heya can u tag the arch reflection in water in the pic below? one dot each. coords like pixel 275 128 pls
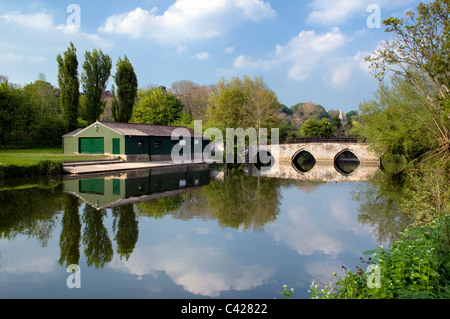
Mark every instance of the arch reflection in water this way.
pixel 346 162
pixel 304 161
pixel 393 164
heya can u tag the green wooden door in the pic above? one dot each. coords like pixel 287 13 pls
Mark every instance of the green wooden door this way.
pixel 92 146
pixel 116 146
pixel 92 186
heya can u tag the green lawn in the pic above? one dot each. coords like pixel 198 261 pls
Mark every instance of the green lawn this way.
pixel 33 156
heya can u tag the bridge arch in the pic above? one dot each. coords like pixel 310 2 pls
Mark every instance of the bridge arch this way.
pixel 346 162
pixel 262 159
pixel 303 161
pixel 324 152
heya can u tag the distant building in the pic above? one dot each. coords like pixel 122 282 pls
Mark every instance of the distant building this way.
pixel 133 142
pixel 342 117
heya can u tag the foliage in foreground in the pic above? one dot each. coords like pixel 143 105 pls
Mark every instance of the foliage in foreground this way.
pixel 416 266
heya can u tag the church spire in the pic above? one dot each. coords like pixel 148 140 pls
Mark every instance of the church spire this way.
pixel 342 117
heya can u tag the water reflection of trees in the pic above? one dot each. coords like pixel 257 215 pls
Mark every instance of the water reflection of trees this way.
pixel 380 206
pixel 244 202
pixel 98 248
pixel 69 240
pixel 240 202
pixel 30 211
pixel 126 226
pixel 97 244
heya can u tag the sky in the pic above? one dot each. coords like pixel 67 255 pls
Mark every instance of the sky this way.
pixel 305 50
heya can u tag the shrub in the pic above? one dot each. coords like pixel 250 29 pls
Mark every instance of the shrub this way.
pixel 41 168
pixel 416 266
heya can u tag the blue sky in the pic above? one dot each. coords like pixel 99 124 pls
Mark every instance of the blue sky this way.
pixel 306 50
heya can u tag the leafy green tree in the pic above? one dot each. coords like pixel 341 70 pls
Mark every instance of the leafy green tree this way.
pixel 46 125
pixel 227 108
pixel 157 106
pixel 419 53
pixel 314 128
pixel 349 116
pixel 10 100
pixel 396 121
pixel 94 78
pixel 244 103
pixel 125 96
pixel 69 87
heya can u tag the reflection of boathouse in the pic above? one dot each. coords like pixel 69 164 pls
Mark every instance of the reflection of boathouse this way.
pixel 105 191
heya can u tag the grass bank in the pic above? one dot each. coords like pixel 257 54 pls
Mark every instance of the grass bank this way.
pixel 31 162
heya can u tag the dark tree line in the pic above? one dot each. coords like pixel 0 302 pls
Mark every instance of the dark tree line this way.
pixel 38 114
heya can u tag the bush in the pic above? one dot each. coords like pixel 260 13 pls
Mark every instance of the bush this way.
pixel 416 266
pixel 41 168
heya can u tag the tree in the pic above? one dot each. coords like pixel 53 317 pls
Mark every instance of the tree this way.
pixel 10 101
pixel 227 108
pixel 309 110
pixel 46 126
pixel 396 121
pixel 419 53
pixel 194 97
pixel 69 87
pixel 349 116
pixel 96 72
pixel 125 96
pixel 244 103
pixel 315 128
pixel 157 106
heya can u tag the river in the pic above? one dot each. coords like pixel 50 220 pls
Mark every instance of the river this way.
pixel 196 233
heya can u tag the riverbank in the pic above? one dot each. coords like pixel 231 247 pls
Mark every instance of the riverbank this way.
pixel 417 265
pixel 32 162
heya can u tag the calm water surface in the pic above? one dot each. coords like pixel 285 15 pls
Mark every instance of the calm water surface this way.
pixel 189 234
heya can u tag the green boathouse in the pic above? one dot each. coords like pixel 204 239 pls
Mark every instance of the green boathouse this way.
pixel 132 142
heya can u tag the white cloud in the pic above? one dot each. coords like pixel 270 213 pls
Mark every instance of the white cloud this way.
pixel 188 20
pixel 336 12
pixel 204 270
pixel 39 28
pixel 248 63
pixel 341 75
pixel 202 56
pixel 33 21
pixel 229 50
pixel 41 40
pixel 331 12
pixel 302 53
pixel 346 69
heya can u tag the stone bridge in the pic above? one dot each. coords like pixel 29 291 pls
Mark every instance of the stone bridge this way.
pixel 324 152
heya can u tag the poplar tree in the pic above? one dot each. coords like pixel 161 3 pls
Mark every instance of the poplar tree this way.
pixel 94 78
pixel 69 86
pixel 125 96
